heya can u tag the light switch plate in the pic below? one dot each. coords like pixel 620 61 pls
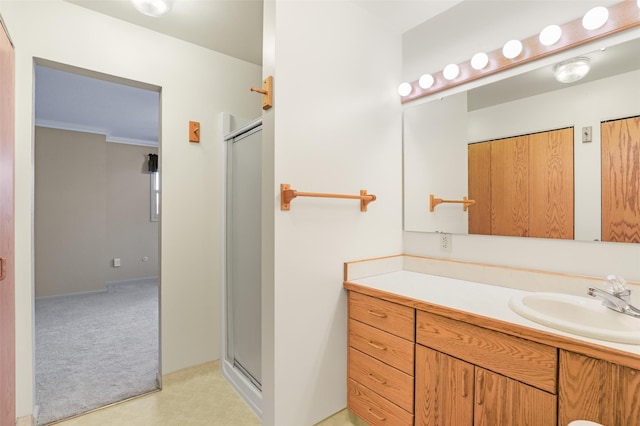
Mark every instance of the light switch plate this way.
pixel 586 134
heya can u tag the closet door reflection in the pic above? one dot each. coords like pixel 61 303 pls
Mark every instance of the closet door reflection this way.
pixel 621 180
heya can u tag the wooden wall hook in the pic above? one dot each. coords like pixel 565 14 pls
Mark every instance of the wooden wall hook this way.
pixel 266 91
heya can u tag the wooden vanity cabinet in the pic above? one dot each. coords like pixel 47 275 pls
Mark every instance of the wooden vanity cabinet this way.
pixel 468 375
pixel 380 360
pixel 597 390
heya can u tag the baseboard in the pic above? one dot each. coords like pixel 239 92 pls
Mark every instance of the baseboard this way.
pixel 141 280
pixel 344 417
pixel 77 293
pixel 26 421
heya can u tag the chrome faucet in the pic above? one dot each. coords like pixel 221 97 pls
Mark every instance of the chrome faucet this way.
pixel 618 299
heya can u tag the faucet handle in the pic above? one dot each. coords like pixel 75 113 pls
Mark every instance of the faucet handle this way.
pixel 617 285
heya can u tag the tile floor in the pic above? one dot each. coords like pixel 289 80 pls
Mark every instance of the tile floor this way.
pixel 197 396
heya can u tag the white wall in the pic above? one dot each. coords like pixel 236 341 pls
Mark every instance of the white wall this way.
pixel 335 127
pixel 435 162
pixel 591 258
pixel 197 84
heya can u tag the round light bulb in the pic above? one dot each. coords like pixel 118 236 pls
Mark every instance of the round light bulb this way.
pixel 404 89
pixel 426 81
pixel 595 18
pixel 512 49
pixel 479 60
pixel 550 35
pixel 451 71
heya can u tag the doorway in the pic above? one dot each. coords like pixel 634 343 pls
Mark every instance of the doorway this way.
pixel 96 240
pixel 243 283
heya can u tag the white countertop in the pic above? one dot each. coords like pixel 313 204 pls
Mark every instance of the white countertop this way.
pixel 468 296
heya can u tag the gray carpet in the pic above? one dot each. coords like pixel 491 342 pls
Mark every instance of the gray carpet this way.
pixel 95 349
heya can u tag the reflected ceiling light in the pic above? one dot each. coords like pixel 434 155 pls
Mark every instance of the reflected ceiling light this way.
pixel 479 60
pixel 550 35
pixel 511 49
pixel 451 71
pixel 153 8
pixel 595 18
pixel 426 80
pixel 571 70
pixel 404 89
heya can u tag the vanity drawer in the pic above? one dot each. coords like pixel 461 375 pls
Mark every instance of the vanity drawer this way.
pixel 388 316
pixel 529 362
pixel 387 381
pixel 373 408
pixel 381 345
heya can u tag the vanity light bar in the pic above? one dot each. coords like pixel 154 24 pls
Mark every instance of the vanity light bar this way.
pixel 621 16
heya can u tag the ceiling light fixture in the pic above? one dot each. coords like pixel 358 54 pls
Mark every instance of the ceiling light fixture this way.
pixel 595 18
pixel 451 71
pixel 479 60
pixel 426 81
pixel 153 8
pixel 404 89
pixel 550 35
pixel 512 49
pixel 571 70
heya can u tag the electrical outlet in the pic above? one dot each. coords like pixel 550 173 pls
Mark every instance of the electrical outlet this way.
pixel 116 262
pixel 445 243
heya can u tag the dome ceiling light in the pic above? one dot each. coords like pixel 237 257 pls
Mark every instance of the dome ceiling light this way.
pixel 155 8
pixel 572 70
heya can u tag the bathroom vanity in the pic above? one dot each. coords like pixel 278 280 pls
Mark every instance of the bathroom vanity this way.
pixel 432 350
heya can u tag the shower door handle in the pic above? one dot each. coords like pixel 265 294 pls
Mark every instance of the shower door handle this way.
pixel 3 268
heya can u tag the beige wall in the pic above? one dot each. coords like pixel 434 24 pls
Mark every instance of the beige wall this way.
pixel 91 205
pixel 70 211
pixel 131 236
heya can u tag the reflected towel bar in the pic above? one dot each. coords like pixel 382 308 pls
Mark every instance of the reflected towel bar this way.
pixel 435 201
pixel 287 194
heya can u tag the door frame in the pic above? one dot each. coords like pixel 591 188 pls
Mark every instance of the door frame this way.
pixel 239 381
pixel 7 235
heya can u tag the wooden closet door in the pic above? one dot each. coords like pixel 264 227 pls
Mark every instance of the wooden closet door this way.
pixel 479 158
pixel 510 187
pixel 551 184
pixel 7 289
pixel 621 180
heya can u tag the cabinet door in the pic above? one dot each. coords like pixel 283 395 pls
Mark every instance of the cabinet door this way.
pixel 597 390
pixel 444 389
pixel 506 402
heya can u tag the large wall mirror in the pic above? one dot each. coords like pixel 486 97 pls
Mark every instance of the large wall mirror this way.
pixel 442 137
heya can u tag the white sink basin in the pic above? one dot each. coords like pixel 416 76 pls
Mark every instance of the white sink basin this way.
pixel 579 315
